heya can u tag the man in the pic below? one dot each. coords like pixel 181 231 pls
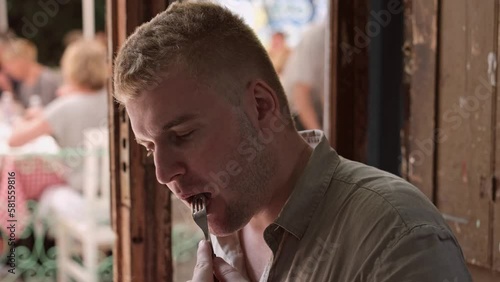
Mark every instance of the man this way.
pixel 204 100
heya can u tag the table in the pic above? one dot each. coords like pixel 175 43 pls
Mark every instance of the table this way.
pixel 34 168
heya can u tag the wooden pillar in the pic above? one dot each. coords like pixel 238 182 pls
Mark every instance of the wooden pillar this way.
pixel 140 205
pixel 451 49
pixel 421 32
pixel 346 104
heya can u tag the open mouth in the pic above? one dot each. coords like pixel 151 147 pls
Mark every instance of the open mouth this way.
pixel 207 195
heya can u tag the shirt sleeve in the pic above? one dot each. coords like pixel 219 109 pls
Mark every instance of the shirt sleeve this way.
pixel 424 253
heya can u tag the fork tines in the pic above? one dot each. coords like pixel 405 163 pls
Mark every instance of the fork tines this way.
pixel 198 203
pixel 199 212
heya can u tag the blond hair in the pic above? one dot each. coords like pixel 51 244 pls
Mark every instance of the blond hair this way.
pixel 20 48
pixel 84 64
pixel 205 40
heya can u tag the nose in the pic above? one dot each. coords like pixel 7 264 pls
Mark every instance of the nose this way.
pixel 169 165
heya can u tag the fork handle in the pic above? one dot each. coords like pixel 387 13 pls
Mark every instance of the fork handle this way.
pixel 213 256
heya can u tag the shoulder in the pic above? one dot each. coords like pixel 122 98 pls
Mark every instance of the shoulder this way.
pixel 373 190
pixel 389 223
pixel 72 102
pixel 64 101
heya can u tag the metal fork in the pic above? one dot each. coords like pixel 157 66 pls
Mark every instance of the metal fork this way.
pixel 199 210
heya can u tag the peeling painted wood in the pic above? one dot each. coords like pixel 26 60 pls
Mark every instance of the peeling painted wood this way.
pixel 140 206
pixel 346 104
pixel 496 144
pixel 420 85
pixel 464 155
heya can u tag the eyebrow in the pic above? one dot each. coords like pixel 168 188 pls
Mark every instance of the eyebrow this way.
pixel 179 120
pixel 176 121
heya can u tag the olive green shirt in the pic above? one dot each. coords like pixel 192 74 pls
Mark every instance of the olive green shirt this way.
pixel 346 221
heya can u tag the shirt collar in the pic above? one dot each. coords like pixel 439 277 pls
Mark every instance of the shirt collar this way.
pixel 311 187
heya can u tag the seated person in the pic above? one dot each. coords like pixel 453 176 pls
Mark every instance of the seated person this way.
pixel 85 72
pixel 19 61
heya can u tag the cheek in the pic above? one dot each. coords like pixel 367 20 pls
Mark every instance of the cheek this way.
pixel 15 71
pixel 7 68
pixel 213 157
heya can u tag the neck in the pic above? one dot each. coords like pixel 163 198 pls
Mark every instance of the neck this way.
pixel 83 89
pixel 292 164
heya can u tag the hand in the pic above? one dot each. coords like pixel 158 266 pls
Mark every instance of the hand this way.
pixel 206 267
pixel 33 112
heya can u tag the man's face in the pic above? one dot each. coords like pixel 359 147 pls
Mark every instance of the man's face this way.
pixel 203 144
pixel 15 67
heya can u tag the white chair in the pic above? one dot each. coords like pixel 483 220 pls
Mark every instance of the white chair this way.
pixel 93 232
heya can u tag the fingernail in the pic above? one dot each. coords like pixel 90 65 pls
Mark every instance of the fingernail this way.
pixel 201 243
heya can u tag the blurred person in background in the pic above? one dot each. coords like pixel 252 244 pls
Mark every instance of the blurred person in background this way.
pixel 6 82
pixel 38 84
pixel 303 78
pixel 72 36
pixel 85 71
pixel 69 38
pixel 278 51
pixel 76 34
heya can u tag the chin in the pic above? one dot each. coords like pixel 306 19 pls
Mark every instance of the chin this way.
pixel 221 228
pixel 219 233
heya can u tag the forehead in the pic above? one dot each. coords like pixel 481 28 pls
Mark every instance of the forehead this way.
pixel 173 97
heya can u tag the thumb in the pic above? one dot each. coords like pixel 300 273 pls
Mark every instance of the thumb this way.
pixel 225 272
pixel 203 269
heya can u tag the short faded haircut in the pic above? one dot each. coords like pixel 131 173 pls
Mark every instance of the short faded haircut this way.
pixel 202 39
pixel 84 64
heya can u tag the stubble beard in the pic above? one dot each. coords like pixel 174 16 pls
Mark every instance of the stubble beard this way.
pixel 249 189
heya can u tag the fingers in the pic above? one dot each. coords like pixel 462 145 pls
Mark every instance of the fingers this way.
pixel 203 271
pixel 225 272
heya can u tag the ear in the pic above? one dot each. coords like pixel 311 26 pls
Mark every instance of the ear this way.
pixel 262 103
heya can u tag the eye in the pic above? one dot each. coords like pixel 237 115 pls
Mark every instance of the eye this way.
pixel 186 136
pixel 181 138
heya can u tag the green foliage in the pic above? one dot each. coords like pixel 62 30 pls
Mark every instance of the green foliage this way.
pixel 45 22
